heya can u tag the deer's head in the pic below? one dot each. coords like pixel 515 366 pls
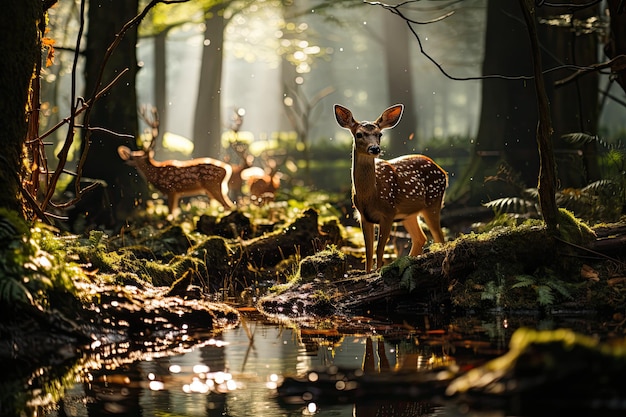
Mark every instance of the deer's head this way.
pixel 366 135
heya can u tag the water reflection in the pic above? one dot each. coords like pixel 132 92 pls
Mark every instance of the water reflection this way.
pixel 236 373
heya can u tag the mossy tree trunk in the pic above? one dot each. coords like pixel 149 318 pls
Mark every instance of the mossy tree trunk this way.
pixel 21 22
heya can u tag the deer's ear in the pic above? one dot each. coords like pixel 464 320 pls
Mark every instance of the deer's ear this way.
pixel 344 117
pixel 390 117
pixel 124 152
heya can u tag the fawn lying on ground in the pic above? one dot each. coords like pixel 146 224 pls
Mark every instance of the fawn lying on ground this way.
pixel 398 189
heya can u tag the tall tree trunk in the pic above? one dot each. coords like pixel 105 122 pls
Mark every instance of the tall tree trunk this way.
pixel 575 105
pixel 508 111
pixel 207 127
pixel 115 114
pixel 616 44
pixel 160 81
pixel 547 168
pixel 21 47
pixel 508 117
pixel 399 81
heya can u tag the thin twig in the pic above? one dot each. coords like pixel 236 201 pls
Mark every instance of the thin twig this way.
pixel 617 261
pixel 619 61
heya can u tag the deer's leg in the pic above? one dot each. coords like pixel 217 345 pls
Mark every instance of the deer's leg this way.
pixel 172 203
pixel 384 230
pixel 418 238
pixel 368 236
pixel 215 192
pixel 432 217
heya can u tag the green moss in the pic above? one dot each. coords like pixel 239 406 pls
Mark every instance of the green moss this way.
pixel 99 259
pixel 159 274
pixel 128 278
pixel 327 264
pixel 179 287
pixel 544 360
pixel 574 230
pixel 34 268
pixel 11 225
pixel 214 251
pixel 175 239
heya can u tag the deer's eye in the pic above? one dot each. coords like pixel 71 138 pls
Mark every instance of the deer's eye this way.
pixel 358 135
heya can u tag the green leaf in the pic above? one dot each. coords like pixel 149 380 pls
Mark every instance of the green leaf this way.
pixel 545 296
pixel 12 291
pixel 524 281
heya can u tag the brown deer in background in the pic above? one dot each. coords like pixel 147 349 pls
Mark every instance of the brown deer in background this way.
pixel 245 161
pixel 264 183
pixel 177 179
pixel 398 189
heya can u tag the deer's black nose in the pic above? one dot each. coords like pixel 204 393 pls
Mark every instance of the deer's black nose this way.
pixel 373 150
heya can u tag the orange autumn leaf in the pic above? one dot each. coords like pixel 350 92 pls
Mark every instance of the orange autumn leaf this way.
pixel 589 273
pixel 48 43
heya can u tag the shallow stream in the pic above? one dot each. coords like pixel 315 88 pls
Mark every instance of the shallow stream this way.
pixel 235 372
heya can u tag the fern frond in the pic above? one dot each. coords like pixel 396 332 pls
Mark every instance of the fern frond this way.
pixel 579 138
pixel 616 156
pixel 490 291
pixel 13 291
pixel 545 296
pixel 560 287
pixel 7 230
pixel 512 204
pixel 532 192
pixel 584 138
pixel 599 185
pixel 524 281
pixel 97 237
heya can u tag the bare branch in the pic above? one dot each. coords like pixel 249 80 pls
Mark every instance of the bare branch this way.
pixel 110 132
pixel 86 106
pixel 396 10
pixel 571 6
pixel 617 62
pixel 410 22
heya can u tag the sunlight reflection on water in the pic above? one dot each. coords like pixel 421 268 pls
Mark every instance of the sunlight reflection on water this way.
pixel 235 374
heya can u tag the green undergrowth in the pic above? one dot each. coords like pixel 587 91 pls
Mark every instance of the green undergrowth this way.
pixel 159 257
pixel 513 266
pixel 34 267
pixel 327 264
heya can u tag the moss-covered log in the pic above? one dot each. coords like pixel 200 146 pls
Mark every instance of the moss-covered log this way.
pixel 508 268
pixel 303 237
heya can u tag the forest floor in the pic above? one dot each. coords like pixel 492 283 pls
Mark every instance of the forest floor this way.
pixel 305 264
pixel 509 268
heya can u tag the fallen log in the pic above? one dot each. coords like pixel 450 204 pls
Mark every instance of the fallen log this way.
pixel 520 268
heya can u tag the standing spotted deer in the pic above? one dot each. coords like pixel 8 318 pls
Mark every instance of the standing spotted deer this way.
pixel 177 179
pixel 398 189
